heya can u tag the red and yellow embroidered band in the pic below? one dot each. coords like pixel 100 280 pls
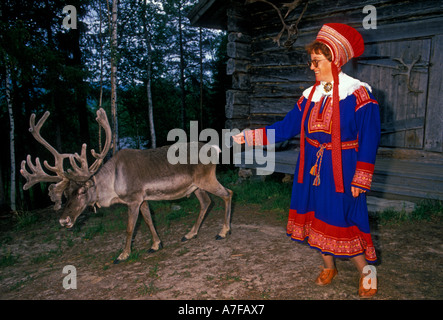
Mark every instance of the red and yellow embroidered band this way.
pixel 302 135
pixel 339 241
pixel 362 98
pixel 345 145
pixel 363 175
pixel 344 42
pixel 256 137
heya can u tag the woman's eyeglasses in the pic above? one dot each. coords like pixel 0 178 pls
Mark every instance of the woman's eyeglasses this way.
pixel 315 62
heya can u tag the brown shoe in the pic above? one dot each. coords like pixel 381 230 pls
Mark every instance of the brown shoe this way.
pixel 366 293
pixel 326 276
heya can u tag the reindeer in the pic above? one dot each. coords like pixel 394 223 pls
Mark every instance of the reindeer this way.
pixel 131 177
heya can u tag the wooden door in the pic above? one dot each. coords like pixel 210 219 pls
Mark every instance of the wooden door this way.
pixel 398 73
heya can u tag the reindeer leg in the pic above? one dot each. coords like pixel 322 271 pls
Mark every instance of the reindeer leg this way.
pixel 133 211
pixel 226 195
pixel 217 189
pixel 146 213
pixel 205 201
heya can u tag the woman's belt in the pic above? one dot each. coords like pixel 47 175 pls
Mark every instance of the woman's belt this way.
pixel 315 170
pixel 328 146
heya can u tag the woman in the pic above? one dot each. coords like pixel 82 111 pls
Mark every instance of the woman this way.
pixel 339 126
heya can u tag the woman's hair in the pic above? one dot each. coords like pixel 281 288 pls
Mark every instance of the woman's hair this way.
pixel 319 48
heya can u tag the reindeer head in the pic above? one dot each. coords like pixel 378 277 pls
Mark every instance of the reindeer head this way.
pixel 74 183
pixel 79 196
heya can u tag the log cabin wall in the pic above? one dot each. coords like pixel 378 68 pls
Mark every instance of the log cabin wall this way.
pixel 402 62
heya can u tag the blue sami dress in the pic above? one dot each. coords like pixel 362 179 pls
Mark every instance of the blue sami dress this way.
pixel 334 223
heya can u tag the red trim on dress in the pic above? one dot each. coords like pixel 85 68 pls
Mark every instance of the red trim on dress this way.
pixel 363 175
pixel 256 137
pixel 338 241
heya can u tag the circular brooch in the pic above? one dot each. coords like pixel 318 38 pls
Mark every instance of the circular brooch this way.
pixel 327 87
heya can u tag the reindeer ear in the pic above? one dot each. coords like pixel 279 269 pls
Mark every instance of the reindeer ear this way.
pixel 84 188
pixel 89 184
pixel 56 191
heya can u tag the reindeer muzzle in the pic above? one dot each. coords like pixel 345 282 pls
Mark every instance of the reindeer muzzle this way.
pixel 66 222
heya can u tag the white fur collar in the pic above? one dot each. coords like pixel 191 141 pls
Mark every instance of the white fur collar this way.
pixel 347 86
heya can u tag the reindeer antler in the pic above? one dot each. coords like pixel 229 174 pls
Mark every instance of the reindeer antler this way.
pixel 78 173
pixel 407 73
pixel 38 174
pixel 292 29
pixel 83 172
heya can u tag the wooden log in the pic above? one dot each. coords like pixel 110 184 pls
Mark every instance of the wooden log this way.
pixel 261 120
pixel 272 106
pixel 236 65
pixel 239 37
pixel 238 50
pixel 237 18
pixel 281 74
pixel 237 104
pixel 241 80
pixel 237 124
pixel 296 57
pixel 279 90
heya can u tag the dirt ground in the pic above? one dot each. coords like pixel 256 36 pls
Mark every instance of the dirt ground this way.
pixel 257 261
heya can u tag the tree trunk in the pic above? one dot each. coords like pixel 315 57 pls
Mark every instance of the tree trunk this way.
pixel 182 68
pixel 148 85
pixel 100 100
pixel 80 88
pixel 201 75
pixel 114 75
pixel 11 135
pixel 150 103
pixel 2 192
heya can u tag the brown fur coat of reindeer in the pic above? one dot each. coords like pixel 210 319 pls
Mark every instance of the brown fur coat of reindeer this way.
pixel 131 177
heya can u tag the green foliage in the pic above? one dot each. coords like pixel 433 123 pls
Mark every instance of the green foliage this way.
pixel 8 259
pixel 270 192
pixel 425 210
pixel 25 219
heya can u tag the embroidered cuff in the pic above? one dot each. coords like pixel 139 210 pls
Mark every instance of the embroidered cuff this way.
pixel 363 175
pixel 256 137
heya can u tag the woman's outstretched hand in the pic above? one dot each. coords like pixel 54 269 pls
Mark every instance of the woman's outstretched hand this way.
pixel 239 138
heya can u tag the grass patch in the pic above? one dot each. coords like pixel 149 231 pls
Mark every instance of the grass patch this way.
pixel 93 230
pixel 165 212
pixel 8 259
pixel 25 219
pixel 147 290
pixel 271 194
pixel 426 210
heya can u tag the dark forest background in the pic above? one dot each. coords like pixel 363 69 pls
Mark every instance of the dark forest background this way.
pixel 46 66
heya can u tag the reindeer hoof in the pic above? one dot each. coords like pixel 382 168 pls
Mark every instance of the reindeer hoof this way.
pixel 184 239
pixel 219 237
pixel 116 261
pixel 160 246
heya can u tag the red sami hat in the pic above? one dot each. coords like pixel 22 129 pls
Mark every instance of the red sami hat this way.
pixel 344 42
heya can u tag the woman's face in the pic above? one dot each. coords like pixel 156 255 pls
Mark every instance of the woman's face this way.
pixel 323 70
